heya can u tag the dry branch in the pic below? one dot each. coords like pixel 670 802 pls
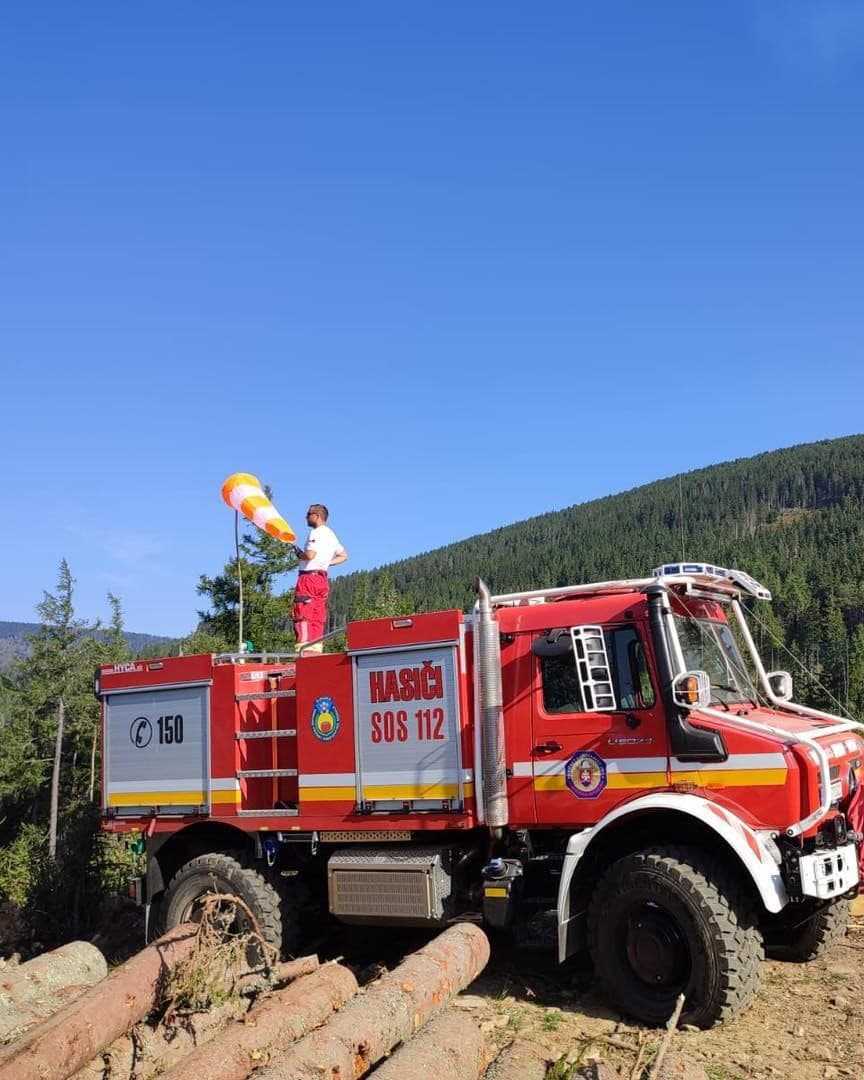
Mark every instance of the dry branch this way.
pixel 59 1046
pixel 388 1011
pixel 147 1051
pixel 281 1018
pixel 667 1038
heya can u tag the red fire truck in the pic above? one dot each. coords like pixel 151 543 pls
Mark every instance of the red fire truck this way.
pixel 613 752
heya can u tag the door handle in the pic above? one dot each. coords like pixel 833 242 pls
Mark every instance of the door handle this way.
pixel 547 747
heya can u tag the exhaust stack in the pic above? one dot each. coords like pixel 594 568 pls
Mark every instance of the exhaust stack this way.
pixel 491 712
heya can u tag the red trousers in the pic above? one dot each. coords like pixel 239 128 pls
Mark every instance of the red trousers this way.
pixel 310 605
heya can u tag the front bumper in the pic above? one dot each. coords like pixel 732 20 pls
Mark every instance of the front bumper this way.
pixel 829 873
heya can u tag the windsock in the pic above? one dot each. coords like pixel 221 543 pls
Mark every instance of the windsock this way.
pixel 243 492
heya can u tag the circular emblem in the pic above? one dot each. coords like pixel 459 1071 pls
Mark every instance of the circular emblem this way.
pixel 141 732
pixel 585 773
pixel 325 719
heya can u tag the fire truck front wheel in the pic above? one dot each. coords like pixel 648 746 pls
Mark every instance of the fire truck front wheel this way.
pixel 671 920
pixel 794 937
pixel 230 873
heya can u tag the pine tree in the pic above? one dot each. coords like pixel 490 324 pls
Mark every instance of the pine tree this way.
pixel 266 614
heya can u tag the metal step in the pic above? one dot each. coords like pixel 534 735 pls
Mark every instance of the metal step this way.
pixel 268 813
pixel 267 695
pixel 279 733
pixel 244 773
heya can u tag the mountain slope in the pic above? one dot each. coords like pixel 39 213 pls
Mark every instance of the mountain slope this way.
pixel 13 641
pixel 792 518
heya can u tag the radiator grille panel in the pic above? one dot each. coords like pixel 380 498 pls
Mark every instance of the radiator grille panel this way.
pixel 390 885
pixel 382 894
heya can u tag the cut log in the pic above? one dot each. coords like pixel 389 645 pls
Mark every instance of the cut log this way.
pixel 59 1046
pixel 522 1060
pixel 77 964
pixel 451 1046
pixel 388 1011
pixel 280 1019
pixel 16 1020
pixel 147 1051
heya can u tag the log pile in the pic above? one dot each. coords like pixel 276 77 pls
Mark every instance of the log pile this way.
pixel 300 1019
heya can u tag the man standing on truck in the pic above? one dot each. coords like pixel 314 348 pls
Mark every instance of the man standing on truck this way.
pixel 323 550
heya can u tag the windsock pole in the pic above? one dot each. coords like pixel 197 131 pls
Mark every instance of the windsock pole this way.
pixel 239 579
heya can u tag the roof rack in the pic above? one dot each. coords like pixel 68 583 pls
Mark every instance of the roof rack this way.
pixel 703 579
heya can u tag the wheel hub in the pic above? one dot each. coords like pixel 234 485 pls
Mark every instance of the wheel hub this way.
pixel 656 947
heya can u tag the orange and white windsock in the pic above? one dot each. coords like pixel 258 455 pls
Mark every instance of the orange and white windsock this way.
pixel 243 492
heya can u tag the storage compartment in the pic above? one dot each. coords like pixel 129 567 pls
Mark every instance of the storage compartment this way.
pixel 412 886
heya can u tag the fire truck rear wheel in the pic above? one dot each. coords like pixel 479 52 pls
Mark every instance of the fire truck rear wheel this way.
pixel 230 872
pixel 808 940
pixel 671 920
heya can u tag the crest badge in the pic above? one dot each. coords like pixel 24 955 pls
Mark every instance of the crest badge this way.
pixel 585 773
pixel 325 719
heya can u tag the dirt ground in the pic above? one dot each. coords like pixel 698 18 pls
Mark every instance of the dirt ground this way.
pixel 806 1023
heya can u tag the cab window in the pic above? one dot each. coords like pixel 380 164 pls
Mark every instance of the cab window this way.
pixel 562 692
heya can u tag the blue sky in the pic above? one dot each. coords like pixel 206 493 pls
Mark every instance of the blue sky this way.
pixel 441 266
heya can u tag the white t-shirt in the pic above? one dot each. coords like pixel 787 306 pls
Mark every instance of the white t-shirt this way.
pixel 325 544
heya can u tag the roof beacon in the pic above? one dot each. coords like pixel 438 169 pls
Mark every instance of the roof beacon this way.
pixel 706 573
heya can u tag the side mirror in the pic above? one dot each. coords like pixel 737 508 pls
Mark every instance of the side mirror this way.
pixel 692 690
pixel 781 684
pixel 556 643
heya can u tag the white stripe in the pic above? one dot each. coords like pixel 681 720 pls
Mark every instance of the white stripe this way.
pixel 412 776
pixel 264 514
pixel 242 492
pixel 133 786
pixel 334 779
pixel 735 761
pixel 620 765
pixel 230 783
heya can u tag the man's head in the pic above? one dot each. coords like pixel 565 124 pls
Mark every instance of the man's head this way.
pixel 316 514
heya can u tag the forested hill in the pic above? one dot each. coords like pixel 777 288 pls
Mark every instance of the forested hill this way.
pixel 791 518
pixel 14 637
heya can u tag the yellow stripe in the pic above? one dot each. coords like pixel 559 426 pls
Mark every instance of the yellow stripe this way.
pixel 557 782
pixel 732 777
pixel 156 798
pixel 385 791
pixel 494 891
pixel 225 797
pixel 328 794
pixel 709 779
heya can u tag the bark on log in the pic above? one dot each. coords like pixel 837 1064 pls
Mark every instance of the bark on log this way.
pixel 388 1011
pixel 451 1046
pixel 522 1060
pixel 280 1019
pixel 59 1046
pixel 150 1051
pixel 75 964
pixel 32 991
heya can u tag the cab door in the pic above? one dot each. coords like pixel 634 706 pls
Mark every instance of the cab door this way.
pixel 599 733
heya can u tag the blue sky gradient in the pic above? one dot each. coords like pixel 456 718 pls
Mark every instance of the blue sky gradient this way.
pixel 440 266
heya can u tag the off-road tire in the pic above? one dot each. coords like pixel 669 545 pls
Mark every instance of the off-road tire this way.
pixel 698 921
pixel 805 942
pixel 230 872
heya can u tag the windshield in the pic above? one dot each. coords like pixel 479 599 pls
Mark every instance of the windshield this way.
pixel 709 646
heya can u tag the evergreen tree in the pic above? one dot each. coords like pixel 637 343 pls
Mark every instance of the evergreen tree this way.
pixel 266 614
